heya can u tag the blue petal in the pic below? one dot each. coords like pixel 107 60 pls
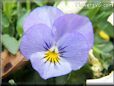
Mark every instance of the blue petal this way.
pixel 49 70
pixel 42 15
pixel 37 38
pixel 74 48
pixel 70 23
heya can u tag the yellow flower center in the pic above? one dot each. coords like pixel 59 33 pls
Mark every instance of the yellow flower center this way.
pixel 52 56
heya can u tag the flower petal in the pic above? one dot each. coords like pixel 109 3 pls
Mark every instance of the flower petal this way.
pixel 71 6
pixel 71 23
pixel 44 15
pixel 37 38
pixel 74 48
pixel 110 19
pixel 49 70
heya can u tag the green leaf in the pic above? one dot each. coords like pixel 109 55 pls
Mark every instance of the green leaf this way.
pixel 90 9
pixel 105 47
pixel 61 80
pixel 104 53
pixel 28 2
pixel 92 12
pixel 106 27
pixel 19 27
pixel 57 3
pixel 10 43
pixel 98 39
pixel 28 76
pixel 40 2
pixel 34 78
pixel 103 15
pixel 5 21
pixel 79 77
pixel 5 25
pixel 96 11
pixel 106 61
pixel 8 7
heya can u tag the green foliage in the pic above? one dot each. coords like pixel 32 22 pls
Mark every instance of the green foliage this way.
pixel 106 27
pixel 31 77
pixel 79 77
pixel 104 53
pixel 8 7
pixel 19 27
pixel 102 49
pixel 76 77
pixel 5 22
pixel 10 43
pixel 28 76
pixel 62 79
pixel 13 15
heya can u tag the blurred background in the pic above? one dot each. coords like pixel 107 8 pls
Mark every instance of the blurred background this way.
pixel 17 70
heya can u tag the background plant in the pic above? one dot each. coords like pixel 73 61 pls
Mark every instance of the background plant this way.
pixel 15 11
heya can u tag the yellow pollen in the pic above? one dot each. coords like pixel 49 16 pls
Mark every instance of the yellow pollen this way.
pixel 52 56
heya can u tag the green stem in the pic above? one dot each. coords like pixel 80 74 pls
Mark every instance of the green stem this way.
pixel 18 9
pixel 28 5
pixel 68 78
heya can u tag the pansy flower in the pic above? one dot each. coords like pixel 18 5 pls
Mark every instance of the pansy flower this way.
pixel 54 42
